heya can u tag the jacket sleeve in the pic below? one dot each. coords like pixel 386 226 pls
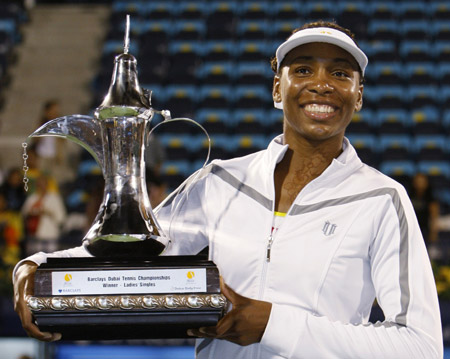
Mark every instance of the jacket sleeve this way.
pixel 183 217
pixel 405 290
pixel 41 257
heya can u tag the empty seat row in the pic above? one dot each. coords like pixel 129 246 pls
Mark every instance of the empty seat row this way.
pixel 263 9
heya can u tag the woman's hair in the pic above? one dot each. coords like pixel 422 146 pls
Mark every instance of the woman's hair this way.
pixel 320 23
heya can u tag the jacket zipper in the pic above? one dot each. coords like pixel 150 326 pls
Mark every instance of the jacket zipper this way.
pixel 269 247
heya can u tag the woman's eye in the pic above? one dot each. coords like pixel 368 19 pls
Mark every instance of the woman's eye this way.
pixel 302 70
pixel 340 74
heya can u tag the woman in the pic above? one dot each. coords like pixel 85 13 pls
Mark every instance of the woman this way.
pixel 304 234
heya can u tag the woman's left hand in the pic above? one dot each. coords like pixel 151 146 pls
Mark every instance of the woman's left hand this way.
pixel 244 324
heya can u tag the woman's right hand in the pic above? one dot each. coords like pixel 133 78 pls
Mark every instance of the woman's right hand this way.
pixel 24 288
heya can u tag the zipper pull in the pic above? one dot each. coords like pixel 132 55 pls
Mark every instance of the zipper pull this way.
pixel 269 248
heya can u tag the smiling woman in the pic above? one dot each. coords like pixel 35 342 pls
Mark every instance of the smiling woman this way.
pixel 304 234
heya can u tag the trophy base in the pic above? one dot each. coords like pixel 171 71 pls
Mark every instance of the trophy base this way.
pixel 129 325
pixel 98 299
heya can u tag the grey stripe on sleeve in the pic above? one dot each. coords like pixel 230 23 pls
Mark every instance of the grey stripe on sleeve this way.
pixel 205 342
pixel 242 187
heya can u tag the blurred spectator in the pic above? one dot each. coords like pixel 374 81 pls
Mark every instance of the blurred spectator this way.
pixel 49 148
pixel 425 206
pixel 157 189
pixel 155 154
pixel 13 189
pixel 44 213
pixel 11 233
pixel 34 172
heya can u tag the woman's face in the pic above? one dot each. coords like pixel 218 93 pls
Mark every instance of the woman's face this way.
pixel 319 85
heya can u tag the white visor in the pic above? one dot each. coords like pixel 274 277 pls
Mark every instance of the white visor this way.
pixel 321 34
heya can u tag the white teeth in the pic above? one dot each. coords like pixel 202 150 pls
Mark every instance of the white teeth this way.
pixel 319 108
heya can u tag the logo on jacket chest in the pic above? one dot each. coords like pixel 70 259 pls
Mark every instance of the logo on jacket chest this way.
pixel 328 228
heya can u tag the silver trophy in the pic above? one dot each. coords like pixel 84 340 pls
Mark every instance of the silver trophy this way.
pixel 125 289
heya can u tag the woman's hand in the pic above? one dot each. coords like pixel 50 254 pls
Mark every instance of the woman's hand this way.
pixel 244 324
pixel 23 288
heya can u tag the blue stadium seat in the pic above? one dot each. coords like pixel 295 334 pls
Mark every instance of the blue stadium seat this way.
pixel 177 146
pixel 189 30
pixel 353 15
pixel 422 96
pixel 387 73
pixel 382 10
pixel 416 51
pixel 325 10
pixel 218 50
pixel 155 34
pixel 413 10
pixel 383 30
pixel 254 73
pixel 414 30
pixel 426 121
pixel 421 73
pixel 393 121
pixel 391 96
pixel 430 147
pixel 158 10
pixel 444 97
pixel 402 171
pixel 384 50
pixel 181 100
pixel 211 96
pixel 440 10
pixel 282 29
pixel 254 10
pixel 250 96
pixel 253 29
pixel 446 120
pixel 252 50
pixel 249 121
pixel 221 147
pixel 438 173
pixel 220 20
pixel 441 50
pixel 213 73
pixel 440 30
pixel 215 121
pixel 275 121
pixel 362 122
pixel 396 147
pixel 175 172
pixel 184 57
pixel 246 144
pixel 288 10
pixel 190 10
pixel 366 147
pixel 443 72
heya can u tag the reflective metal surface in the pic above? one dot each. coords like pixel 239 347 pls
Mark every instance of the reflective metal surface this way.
pixel 125 225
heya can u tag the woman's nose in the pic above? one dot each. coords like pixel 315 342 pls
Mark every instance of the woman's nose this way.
pixel 320 84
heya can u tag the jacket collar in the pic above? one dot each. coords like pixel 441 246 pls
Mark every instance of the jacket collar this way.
pixel 346 163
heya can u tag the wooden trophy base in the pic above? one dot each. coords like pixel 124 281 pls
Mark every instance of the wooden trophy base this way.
pixel 99 299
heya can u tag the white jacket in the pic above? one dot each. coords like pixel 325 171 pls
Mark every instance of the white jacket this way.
pixel 351 236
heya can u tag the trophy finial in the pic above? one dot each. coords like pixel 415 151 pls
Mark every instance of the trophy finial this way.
pixel 124 89
pixel 126 41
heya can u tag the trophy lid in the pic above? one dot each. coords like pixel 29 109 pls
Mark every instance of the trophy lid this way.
pixel 124 90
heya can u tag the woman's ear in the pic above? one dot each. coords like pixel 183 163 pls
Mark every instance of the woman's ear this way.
pixel 359 101
pixel 276 93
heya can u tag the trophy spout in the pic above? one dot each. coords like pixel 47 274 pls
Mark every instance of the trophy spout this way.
pixel 81 129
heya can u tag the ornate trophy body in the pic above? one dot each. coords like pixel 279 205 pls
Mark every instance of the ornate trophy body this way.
pixel 126 290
